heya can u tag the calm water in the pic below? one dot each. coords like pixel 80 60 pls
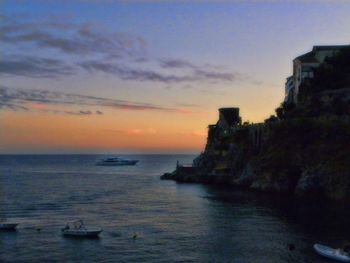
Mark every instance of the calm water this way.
pixel 173 222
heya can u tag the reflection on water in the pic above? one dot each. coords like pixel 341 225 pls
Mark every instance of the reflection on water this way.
pixel 173 222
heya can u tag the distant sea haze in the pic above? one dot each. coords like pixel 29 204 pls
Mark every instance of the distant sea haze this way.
pixel 172 222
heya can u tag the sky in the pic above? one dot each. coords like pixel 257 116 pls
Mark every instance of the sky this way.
pixel 147 76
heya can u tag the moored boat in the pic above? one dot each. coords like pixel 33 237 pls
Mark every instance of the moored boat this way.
pixel 78 229
pixel 336 254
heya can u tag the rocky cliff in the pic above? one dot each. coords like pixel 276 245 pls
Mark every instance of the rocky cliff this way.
pixel 304 150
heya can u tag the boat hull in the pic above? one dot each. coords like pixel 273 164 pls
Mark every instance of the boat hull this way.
pixel 8 226
pixel 119 163
pixel 331 253
pixel 82 233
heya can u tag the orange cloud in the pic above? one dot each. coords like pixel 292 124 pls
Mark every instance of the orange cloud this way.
pixel 36 106
pixel 141 131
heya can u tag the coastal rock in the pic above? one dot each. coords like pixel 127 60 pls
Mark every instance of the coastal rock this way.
pixel 168 176
pixel 310 183
pixel 246 177
pixel 303 151
pixel 326 180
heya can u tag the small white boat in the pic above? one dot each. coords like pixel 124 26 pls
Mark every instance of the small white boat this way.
pixel 114 161
pixel 336 254
pixel 8 226
pixel 78 229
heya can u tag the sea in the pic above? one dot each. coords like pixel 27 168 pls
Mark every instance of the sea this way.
pixel 145 219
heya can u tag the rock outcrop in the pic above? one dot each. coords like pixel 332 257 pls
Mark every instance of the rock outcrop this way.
pixel 304 151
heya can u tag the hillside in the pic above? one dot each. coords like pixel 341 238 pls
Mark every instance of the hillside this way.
pixel 304 150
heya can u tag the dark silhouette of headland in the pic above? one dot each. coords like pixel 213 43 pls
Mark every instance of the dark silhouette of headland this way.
pixel 303 150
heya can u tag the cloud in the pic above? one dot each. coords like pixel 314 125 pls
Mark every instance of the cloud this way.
pixel 65 48
pixel 187 105
pixel 70 38
pixel 127 73
pixel 85 112
pixel 20 99
pixel 135 131
pixel 176 63
pixel 149 131
pixel 205 72
pixel 211 75
pixel 79 113
pixel 172 63
pixel 35 67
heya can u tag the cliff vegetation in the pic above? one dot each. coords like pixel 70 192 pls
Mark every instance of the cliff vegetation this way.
pixel 304 150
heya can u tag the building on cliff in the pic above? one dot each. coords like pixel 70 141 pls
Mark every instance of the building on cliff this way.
pixel 218 145
pixel 228 118
pixel 289 87
pixel 303 67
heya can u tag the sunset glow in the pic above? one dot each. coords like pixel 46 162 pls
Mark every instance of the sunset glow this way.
pixel 82 77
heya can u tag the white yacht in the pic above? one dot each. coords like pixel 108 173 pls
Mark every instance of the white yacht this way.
pixel 114 161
